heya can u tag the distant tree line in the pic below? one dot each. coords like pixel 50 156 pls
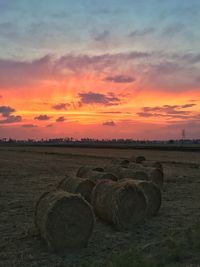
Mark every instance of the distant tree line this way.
pixel 92 141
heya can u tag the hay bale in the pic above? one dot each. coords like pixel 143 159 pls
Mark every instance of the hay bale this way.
pixel 132 158
pixel 147 163
pixel 134 165
pixel 120 162
pixel 73 184
pixel 123 173
pixel 65 220
pixel 153 194
pixel 154 164
pixel 133 174
pixel 82 170
pixel 137 159
pixel 119 203
pixel 140 159
pixel 113 169
pixel 154 174
pixel 86 168
pixel 98 169
pixel 96 176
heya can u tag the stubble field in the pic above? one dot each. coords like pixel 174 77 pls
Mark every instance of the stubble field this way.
pixel 26 172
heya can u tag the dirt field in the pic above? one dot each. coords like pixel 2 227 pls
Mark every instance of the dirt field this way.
pixel 27 172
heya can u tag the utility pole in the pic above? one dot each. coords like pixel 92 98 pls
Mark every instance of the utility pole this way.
pixel 183 134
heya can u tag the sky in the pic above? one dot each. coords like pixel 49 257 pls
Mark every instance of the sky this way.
pixel 99 69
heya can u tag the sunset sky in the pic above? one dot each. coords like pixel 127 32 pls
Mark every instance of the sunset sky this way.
pixel 101 69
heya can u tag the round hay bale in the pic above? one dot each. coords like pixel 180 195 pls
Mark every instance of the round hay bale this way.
pixel 154 164
pixel 154 174
pixel 132 158
pixel 98 169
pixel 114 169
pixel 153 194
pixel 133 174
pixel 120 162
pixel 122 173
pixel 134 165
pixel 65 220
pixel 82 170
pixel 86 168
pixel 119 203
pixel 96 176
pixel 73 184
pixel 140 159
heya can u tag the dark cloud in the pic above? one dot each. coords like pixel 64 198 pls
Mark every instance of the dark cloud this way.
pixel 194 100
pixel 173 29
pixel 29 126
pixel 11 119
pixel 42 118
pixel 120 79
pixel 191 58
pixel 5 111
pixel 170 111
pixel 141 33
pixel 188 105
pixel 48 67
pixel 60 119
pixel 163 71
pixel 49 125
pixel 165 68
pixel 175 74
pixel 97 63
pixel 110 112
pixel 134 55
pixel 98 98
pixel 22 73
pixel 61 106
pixel 146 114
pixel 109 123
pixel 103 36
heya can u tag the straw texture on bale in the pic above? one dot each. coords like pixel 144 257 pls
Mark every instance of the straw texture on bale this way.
pixel 73 184
pixel 65 220
pixel 86 168
pixel 148 163
pixel 140 159
pixel 152 193
pixel 157 176
pixel 154 174
pixel 154 164
pixel 134 174
pixel 98 169
pixel 96 176
pixel 83 170
pixel 119 161
pixel 122 172
pixel 119 203
pixel 114 169
pixel 132 158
